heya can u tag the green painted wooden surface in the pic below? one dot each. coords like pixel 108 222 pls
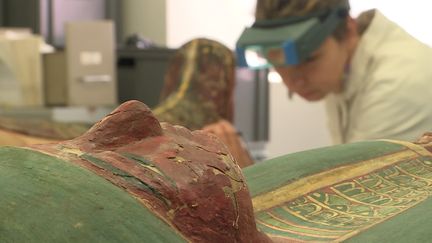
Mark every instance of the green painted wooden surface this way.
pixel 373 204
pixel 391 204
pixel 410 226
pixel 272 174
pixel 44 199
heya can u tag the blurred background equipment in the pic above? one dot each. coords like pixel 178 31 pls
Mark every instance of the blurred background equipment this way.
pixel 141 73
pixel 48 17
pixel 145 40
pixel 84 72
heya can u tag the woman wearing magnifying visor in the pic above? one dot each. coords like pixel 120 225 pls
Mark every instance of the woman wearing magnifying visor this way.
pixel 375 78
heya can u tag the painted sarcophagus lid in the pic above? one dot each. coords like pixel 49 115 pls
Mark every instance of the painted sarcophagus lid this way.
pixel 372 191
pixel 128 179
pixel 131 178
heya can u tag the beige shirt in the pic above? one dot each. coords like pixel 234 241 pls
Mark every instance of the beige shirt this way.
pixel 388 91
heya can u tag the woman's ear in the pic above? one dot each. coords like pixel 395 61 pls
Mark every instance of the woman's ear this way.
pixel 352 28
pixel 352 36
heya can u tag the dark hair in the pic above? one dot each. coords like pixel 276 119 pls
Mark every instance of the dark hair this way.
pixel 340 32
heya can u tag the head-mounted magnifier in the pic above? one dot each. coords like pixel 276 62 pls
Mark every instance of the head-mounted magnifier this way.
pixel 288 41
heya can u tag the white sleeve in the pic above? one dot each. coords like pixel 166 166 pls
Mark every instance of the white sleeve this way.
pixel 391 108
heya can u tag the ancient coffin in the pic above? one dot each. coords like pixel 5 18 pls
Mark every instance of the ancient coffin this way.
pixel 131 178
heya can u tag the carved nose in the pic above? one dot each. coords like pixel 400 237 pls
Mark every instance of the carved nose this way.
pixel 131 121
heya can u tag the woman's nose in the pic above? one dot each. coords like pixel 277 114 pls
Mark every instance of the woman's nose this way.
pixel 296 82
pixel 292 77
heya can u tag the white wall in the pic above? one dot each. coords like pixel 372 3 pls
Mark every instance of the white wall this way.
pixel 295 125
pixel 173 22
pixel 221 20
pixel 414 15
pixel 145 17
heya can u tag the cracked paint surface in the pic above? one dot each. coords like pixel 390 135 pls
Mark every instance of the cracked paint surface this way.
pixel 186 178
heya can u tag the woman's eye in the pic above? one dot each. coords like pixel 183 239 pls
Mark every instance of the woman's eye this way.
pixel 311 58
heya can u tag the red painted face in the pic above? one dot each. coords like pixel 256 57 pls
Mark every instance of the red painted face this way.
pixel 187 178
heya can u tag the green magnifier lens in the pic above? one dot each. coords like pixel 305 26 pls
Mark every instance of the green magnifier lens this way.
pixel 276 56
pixel 280 42
pixel 255 57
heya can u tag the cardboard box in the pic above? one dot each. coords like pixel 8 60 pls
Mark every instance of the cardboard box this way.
pixel 21 71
